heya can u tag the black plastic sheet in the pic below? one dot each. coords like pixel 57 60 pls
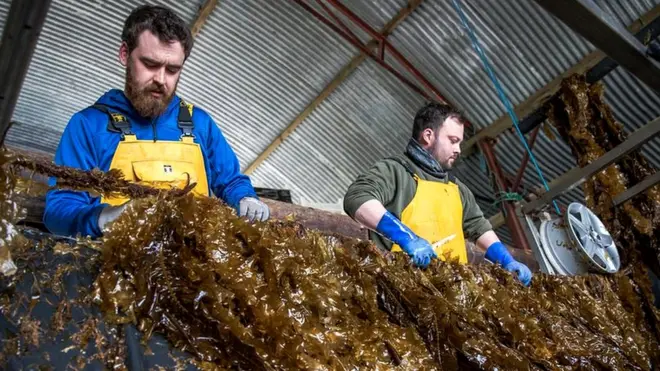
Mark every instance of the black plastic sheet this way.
pixel 48 320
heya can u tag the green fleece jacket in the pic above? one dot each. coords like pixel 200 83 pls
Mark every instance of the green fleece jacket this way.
pixel 390 183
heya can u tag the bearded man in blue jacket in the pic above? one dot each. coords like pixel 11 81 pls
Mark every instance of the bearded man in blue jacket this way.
pixel 148 133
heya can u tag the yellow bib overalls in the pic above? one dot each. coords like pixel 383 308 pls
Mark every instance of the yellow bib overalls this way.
pixel 436 214
pixel 158 164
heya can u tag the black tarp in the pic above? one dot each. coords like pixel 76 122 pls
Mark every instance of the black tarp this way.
pixel 49 322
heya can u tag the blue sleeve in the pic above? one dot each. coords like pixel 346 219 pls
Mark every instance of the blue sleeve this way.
pixel 67 212
pixel 226 179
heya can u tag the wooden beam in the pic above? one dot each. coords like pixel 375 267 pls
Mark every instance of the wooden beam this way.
pixel 203 13
pixel 20 34
pixel 339 225
pixel 638 188
pixel 535 101
pixel 324 222
pixel 336 81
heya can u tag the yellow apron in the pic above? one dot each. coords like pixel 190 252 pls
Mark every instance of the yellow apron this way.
pixel 436 215
pixel 158 164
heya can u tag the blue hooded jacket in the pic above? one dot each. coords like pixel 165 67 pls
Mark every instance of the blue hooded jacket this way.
pixel 87 144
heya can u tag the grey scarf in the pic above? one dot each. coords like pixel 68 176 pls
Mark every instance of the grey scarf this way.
pixel 424 160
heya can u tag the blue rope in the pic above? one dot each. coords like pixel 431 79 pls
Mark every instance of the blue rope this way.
pixel 500 92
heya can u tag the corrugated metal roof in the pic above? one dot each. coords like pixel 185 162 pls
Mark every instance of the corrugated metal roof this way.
pixel 632 102
pixel 74 63
pixel 258 63
pixel 527 48
pixel 375 13
pixel 525 54
pixel 4 10
pixel 353 128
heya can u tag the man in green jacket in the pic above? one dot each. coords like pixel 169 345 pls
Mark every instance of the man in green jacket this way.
pixel 410 202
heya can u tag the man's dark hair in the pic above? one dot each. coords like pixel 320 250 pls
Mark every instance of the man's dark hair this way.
pixel 431 116
pixel 161 21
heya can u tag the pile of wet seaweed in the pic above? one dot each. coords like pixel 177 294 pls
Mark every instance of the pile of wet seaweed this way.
pixel 585 121
pixel 273 295
pixel 10 213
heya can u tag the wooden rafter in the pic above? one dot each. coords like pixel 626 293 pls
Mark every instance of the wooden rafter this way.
pixel 336 82
pixel 203 13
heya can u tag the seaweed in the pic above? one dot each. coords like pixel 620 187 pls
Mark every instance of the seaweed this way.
pixel 95 181
pixel 273 295
pixel 586 122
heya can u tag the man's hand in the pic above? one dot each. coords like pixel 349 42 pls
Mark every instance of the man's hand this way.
pixel 109 214
pixel 523 272
pixel 497 253
pixel 253 209
pixel 418 248
pixel 420 251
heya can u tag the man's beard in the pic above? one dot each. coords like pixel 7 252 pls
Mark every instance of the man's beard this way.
pixel 144 103
pixel 448 164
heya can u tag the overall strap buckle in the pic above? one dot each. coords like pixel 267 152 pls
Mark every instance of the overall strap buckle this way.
pixel 117 122
pixel 184 120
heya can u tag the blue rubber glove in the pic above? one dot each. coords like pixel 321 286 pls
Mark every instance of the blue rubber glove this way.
pixel 417 248
pixel 497 253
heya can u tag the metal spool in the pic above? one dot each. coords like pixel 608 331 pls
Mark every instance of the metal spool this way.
pixel 559 251
pixel 578 243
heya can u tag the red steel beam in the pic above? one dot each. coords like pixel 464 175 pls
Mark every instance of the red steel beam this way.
pixel 523 165
pixel 364 49
pixel 397 55
pixel 339 22
pixel 512 220
pixel 375 34
pixel 381 50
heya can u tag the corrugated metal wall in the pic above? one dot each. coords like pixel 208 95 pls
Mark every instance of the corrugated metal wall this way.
pixel 355 126
pixel 4 9
pixel 258 63
pixel 553 48
pixel 74 63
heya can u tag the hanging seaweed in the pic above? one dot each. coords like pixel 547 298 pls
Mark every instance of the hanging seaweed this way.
pixel 587 124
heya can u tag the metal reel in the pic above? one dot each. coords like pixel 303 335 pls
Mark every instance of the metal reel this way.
pixel 558 250
pixel 578 243
pixel 592 238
